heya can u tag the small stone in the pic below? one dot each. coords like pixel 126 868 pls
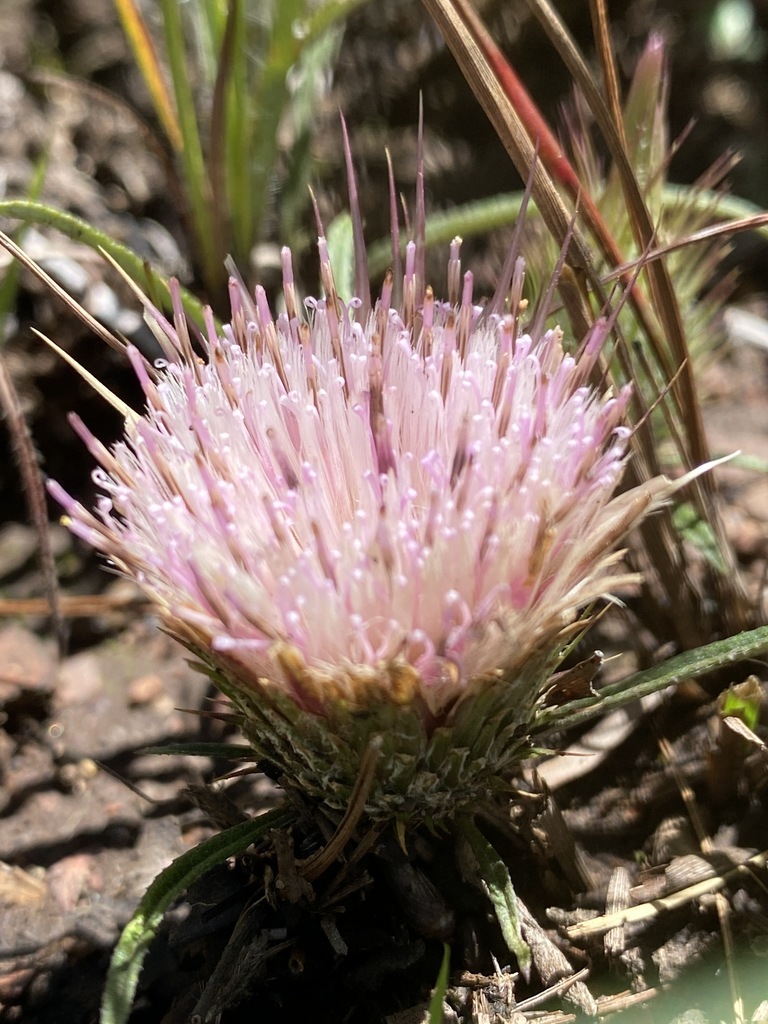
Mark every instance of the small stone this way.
pixel 28 664
pixel 146 689
pixel 68 880
pixel 755 500
pixel 80 680
pixel 18 545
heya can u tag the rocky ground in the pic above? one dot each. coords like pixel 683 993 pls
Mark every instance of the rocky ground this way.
pixel 87 818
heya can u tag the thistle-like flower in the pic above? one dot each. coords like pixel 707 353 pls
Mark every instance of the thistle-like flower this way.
pixel 372 526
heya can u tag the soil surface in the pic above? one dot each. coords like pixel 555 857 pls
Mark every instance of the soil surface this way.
pixel 640 807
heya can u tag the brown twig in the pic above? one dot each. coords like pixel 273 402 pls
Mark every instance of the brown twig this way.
pixel 314 866
pixel 73 606
pixel 34 491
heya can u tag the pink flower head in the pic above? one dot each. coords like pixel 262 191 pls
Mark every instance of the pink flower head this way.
pixel 406 503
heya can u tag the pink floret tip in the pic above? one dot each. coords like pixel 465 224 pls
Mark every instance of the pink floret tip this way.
pixel 426 487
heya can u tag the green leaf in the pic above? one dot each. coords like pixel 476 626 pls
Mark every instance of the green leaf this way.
pixel 9 285
pixel 133 944
pixel 234 60
pixel 342 255
pixel 325 16
pixel 499 210
pixel 743 701
pixel 139 36
pixel 138 269
pixel 268 105
pixel 754 463
pixel 193 161
pixel 298 165
pixel 495 874
pixel 470 219
pixel 697 531
pixel 441 987
pixel 689 665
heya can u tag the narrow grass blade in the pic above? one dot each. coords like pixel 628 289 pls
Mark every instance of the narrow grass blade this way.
pixel 441 987
pixel 495 875
pixel 325 16
pixel 99 329
pixel 303 39
pixel 227 161
pixel 140 40
pixel 268 106
pixel 469 42
pixel 312 72
pixel 665 301
pixel 128 414
pixel 729 214
pixel 80 231
pixel 9 286
pixel 210 20
pixel 195 172
pixel 602 35
pixel 751 644
pixel 473 218
pixel 133 944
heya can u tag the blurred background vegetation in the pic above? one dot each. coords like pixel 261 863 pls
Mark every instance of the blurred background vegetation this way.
pixel 388 53
pixel 79 130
